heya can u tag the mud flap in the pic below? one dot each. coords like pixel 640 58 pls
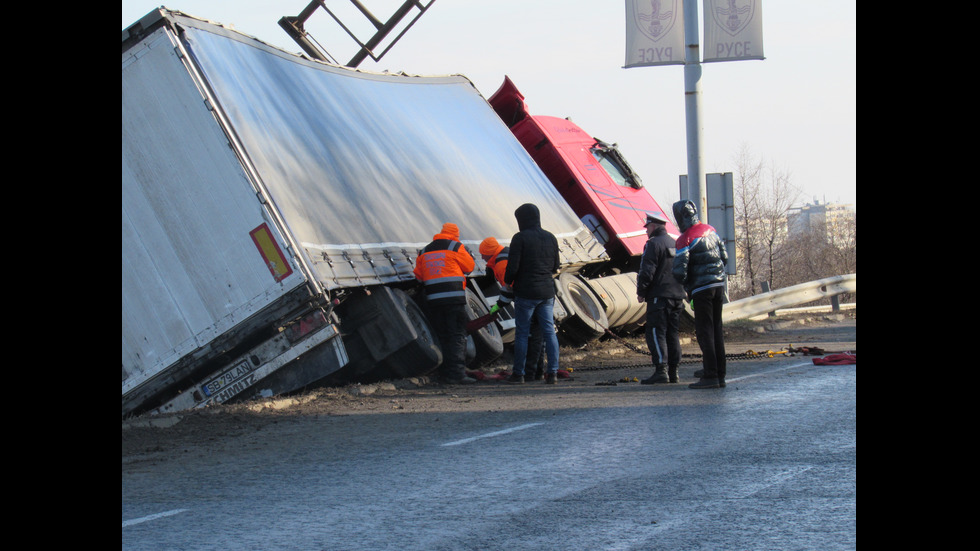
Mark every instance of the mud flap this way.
pixel 387 336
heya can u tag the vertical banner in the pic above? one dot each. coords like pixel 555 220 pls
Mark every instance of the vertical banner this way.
pixel 654 33
pixel 732 30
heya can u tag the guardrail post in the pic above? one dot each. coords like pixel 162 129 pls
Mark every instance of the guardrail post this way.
pixel 765 289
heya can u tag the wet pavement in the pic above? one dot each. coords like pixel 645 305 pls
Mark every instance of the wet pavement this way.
pixel 767 463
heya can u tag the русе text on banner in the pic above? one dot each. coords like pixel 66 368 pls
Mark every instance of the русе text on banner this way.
pixel 732 30
pixel 654 33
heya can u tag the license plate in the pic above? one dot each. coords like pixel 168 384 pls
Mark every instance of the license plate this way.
pixel 237 378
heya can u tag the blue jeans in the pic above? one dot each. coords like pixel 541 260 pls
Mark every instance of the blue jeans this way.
pixel 543 311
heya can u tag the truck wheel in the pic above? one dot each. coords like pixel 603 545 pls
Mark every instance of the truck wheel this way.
pixel 586 319
pixel 487 340
pixel 618 295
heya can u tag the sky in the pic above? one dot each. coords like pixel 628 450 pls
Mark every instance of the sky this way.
pixel 795 111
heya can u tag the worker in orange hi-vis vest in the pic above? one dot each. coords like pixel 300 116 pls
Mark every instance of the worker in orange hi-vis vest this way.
pixel 442 267
pixel 495 255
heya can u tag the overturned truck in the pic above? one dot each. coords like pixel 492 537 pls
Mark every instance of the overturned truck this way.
pixel 273 207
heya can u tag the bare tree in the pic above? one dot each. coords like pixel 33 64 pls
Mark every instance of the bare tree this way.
pixel 747 183
pixel 763 196
pixel 842 247
pixel 779 195
pixel 823 249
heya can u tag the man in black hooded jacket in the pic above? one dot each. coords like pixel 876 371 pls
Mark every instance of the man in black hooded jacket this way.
pixel 700 267
pixel 534 260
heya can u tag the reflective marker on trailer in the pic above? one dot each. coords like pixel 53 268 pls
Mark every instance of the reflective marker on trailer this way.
pixel 271 253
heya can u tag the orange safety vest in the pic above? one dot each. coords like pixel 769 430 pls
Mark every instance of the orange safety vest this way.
pixel 498 265
pixel 442 268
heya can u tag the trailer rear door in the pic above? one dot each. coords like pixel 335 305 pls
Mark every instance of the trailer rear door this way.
pixel 199 253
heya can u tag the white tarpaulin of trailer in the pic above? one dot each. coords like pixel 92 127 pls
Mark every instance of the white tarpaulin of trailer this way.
pixel 366 167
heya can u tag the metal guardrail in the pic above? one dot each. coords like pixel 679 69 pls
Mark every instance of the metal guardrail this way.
pixel 789 297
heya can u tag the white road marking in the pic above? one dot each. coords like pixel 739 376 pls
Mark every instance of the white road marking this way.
pixel 490 434
pixel 152 517
pixel 777 478
pixel 794 366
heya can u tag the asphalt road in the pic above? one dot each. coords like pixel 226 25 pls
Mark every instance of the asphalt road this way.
pixel 767 463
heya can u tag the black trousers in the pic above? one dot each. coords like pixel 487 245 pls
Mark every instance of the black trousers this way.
pixel 708 328
pixel 662 330
pixel 449 324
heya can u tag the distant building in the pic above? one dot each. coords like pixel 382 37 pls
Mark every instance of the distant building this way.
pixel 826 217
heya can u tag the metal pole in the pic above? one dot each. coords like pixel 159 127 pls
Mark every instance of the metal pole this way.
pixel 383 30
pixel 692 104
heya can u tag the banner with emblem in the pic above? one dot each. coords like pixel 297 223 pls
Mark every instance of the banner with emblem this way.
pixel 654 33
pixel 732 30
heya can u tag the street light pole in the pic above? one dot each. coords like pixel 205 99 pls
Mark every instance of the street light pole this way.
pixel 692 104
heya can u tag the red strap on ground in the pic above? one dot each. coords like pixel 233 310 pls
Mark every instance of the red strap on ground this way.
pixel 836 359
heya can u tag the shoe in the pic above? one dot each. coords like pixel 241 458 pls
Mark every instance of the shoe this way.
pixel 659 376
pixel 672 374
pixel 699 373
pixel 704 383
pixel 539 375
pixel 515 379
pixel 721 382
pixel 551 379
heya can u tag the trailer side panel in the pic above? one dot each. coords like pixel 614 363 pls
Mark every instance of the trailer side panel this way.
pixel 366 167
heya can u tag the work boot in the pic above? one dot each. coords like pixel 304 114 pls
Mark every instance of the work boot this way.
pixel 672 373
pixel 551 379
pixel 705 383
pixel 659 376
pixel 515 379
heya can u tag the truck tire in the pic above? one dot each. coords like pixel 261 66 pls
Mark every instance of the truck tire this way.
pixel 586 319
pixel 618 294
pixel 487 340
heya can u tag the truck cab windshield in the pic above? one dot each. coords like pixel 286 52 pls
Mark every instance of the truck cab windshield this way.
pixel 612 161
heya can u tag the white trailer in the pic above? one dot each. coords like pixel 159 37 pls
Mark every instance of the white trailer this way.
pixel 273 207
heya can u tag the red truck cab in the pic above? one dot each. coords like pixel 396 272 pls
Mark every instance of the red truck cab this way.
pixel 592 175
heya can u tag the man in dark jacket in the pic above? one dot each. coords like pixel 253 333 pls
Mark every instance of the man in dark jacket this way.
pixel 496 256
pixel 534 260
pixel 664 297
pixel 700 268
